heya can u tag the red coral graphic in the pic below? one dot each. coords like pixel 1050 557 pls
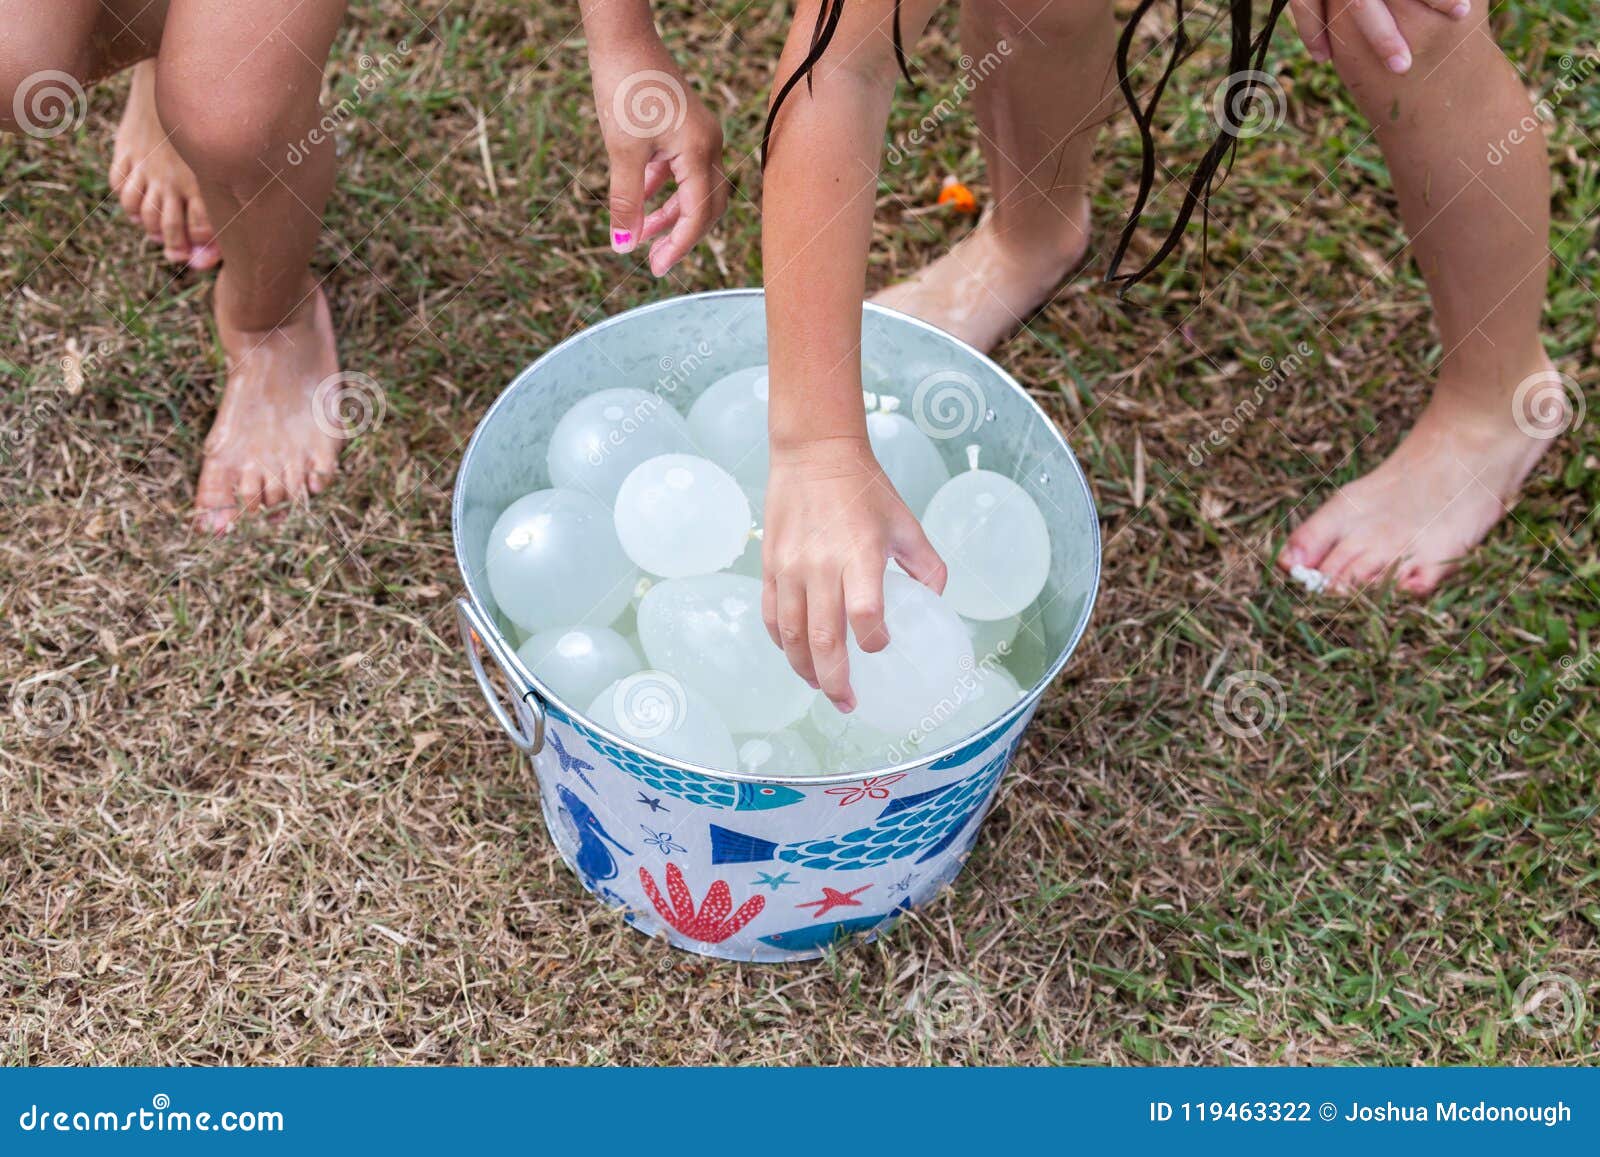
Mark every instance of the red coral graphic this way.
pixel 711 924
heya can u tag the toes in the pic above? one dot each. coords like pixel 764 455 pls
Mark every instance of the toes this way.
pixel 130 195
pixel 204 253
pixel 150 210
pixel 1340 566
pixel 120 168
pixel 1422 578
pixel 1372 568
pixel 214 505
pixel 175 230
pixel 248 490
pixel 1312 540
pixel 274 490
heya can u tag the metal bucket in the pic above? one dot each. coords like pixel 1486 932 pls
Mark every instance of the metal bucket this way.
pixel 721 863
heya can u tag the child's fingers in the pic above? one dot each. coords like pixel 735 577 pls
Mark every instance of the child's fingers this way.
pixel 863 603
pixel 655 176
pixel 627 200
pixel 912 550
pixel 792 631
pixel 769 604
pixel 825 625
pixel 1313 28
pixel 662 219
pixel 697 211
pixel 1379 30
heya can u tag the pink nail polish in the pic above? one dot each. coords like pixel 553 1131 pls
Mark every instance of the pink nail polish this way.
pixel 1461 11
pixel 1399 62
pixel 621 240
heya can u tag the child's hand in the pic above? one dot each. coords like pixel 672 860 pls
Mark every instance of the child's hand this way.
pixel 655 127
pixel 1376 20
pixel 833 520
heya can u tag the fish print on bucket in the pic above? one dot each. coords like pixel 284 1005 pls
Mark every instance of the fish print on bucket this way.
pixel 594 858
pixel 697 789
pixel 813 937
pixel 923 825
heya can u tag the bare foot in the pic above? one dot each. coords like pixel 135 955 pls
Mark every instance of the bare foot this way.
pixel 154 185
pixel 278 429
pixel 1431 501
pixel 990 283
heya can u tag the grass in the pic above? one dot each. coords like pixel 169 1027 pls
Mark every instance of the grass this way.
pixel 269 821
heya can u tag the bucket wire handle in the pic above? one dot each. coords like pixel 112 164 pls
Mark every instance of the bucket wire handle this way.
pixel 524 723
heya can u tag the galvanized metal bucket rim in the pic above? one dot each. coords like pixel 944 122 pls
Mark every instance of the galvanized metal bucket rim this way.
pixel 546 695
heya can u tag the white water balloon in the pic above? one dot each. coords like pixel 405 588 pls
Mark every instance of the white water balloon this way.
pixel 847 743
pixel 605 435
pixel 554 560
pixel 658 712
pixel 783 752
pixel 707 630
pixel 982 696
pixel 995 542
pixel 908 457
pixel 580 662
pixel 993 637
pixel 680 514
pixel 729 424
pixel 928 651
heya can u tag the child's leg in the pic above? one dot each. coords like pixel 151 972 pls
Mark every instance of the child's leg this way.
pixel 238 86
pixel 1043 85
pixel 1480 233
pixel 83 40
pixel 154 184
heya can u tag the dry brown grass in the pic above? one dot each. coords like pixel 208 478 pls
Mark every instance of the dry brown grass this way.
pixel 278 827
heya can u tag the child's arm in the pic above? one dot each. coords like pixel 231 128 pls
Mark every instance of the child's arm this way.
pixel 832 517
pixel 655 127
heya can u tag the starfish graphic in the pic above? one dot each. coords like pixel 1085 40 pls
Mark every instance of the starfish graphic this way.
pixel 571 762
pixel 654 805
pixel 833 898
pixel 766 879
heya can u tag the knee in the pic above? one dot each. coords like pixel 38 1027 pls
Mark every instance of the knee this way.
pixel 1051 21
pixel 41 84
pixel 236 141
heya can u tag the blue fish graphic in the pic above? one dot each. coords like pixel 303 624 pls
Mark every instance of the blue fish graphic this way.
pixel 570 762
pixel 921 825
pixel 741 797
pixel 822 935
pixel 595 861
